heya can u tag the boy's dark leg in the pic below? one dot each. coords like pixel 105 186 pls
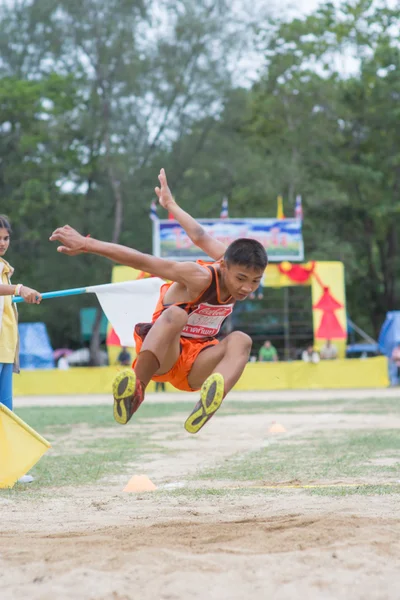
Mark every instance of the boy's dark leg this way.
pixel 159 353
pixel 216 370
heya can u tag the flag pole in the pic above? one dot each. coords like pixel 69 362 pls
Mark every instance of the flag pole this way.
pixel 56 294
pixel 91 289
pixel 279 208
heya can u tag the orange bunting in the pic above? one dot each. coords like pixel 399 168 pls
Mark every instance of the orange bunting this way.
pixel 327 302
pixel 295 272
pixel 112 338
pixel 329 327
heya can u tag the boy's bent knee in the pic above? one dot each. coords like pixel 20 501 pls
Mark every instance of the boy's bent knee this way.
pixel 240 339
pixel 175 316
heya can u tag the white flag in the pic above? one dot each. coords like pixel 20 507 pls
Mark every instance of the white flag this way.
pixel 224 209
pixel 153 211
pixel 298 209
pixel 128 303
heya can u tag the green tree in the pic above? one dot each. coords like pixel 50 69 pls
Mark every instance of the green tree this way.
pixel 145 75
pixel 35 157
pixel 337 135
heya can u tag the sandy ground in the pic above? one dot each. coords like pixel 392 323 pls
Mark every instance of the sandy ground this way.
pixel 99 543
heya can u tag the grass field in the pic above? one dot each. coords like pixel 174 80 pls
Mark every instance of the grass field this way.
pixel 239 512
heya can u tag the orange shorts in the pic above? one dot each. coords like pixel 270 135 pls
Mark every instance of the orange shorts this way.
pixel 190 349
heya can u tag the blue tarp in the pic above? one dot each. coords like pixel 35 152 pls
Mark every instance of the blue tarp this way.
pixel 35 348
pixel 389 335
pixel 369 349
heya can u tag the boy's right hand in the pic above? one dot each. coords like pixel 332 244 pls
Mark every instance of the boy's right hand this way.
pixel 164 193
pixel 29 295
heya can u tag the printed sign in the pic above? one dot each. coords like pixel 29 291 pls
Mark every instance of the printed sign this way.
pixel 282 238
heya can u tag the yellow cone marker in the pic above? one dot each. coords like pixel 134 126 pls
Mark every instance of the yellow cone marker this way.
pixel 139 483
pixel 20 447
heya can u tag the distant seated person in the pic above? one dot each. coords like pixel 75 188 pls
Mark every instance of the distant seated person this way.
pixel 63 363
pixel 267 353
pixel 329 351
pixel 310 355
pixel 396 359
pixel 259 293
pixel 124 358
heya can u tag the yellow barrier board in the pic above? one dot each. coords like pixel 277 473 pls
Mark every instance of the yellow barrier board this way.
pixel 335 374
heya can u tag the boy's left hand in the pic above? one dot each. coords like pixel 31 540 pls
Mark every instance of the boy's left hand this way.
pixel 164 193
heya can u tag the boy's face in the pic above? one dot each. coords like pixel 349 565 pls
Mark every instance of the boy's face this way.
pixel 240 281
pixel 4 241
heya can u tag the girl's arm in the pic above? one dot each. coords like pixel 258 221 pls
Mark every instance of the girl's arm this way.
pixel 28 294
pixel 194 230
pixel 7 290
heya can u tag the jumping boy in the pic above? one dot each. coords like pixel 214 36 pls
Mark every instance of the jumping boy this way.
pixel 180 345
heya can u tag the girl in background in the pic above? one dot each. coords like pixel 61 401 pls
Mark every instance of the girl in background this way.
pixel 9 362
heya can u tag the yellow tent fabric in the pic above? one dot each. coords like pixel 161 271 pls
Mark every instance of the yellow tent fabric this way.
pixel 20 447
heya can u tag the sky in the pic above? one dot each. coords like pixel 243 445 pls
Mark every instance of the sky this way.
pixel 303 6
pixel 294 6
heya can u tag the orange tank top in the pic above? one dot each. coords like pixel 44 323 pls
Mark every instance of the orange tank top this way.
pixel 206 313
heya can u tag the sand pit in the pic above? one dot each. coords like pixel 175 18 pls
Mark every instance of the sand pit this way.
pixel 215 539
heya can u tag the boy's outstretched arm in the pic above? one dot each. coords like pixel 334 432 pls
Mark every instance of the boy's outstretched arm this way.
pixel 189 274
pixel 195 231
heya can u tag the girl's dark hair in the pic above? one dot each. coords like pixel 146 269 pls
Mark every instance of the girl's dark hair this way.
pixel 5 223
pixel 248 253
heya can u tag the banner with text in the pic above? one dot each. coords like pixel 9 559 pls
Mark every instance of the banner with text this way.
pixel 282 238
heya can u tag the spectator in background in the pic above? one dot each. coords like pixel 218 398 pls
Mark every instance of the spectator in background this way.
pixel 124 358
pixel 63 363
pixel 268 353
pixel 310 355
pixel 329 351
pixel 396 359
pixel 160 386
pixel 259 293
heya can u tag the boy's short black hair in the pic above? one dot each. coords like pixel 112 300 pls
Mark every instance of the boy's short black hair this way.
pixel 248 253
pixel 5 223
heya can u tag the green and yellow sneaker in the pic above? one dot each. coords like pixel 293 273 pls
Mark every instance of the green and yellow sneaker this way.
pixel 211 396
pixel 128 395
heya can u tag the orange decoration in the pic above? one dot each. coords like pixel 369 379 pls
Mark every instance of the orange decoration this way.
pixel 113 339
pixel 329 328
pixel 297 273
pixel 327 302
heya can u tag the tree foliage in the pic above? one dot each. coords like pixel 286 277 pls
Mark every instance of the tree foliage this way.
pixel 97 95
